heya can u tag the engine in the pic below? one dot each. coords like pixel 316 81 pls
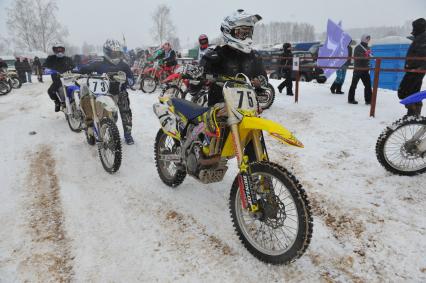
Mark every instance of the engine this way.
pixel 207 169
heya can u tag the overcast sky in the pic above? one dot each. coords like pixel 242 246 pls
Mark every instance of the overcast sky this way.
pixel 94 21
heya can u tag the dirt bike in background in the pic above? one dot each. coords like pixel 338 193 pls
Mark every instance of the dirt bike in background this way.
pixel 138 73
pixel 5 87
pixel 69 96
pixel 13 79
pixel 269 208
pixel 401 147
pixel 187 83
pixel 154 75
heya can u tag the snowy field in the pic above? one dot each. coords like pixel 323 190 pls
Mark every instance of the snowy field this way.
pixel 63 218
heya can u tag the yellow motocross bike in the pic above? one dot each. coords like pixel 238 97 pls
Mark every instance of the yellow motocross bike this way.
pixel 269 208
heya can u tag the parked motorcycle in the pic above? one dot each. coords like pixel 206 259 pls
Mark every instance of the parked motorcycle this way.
pixel 269 208
pixel 5 87
pixel 13 79
pixel 154 75
pixel 69 96
pixel 401 147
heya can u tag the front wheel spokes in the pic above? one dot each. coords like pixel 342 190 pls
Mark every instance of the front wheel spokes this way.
pixel 276 228
pixel 401 148
pixel 107 145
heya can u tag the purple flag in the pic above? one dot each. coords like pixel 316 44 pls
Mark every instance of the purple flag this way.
pixel 336 45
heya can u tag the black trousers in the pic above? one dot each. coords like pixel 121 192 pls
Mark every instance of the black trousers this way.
pixel 125 111
pixel 364 76
pixel 288 82
pixel 53 89
pixel 410 84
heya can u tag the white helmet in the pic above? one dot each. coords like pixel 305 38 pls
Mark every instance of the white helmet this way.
pixel 113 51
pixel 58 49
pixel 237 30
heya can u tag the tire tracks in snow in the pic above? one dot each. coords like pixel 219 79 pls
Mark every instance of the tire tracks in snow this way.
pixel 49 258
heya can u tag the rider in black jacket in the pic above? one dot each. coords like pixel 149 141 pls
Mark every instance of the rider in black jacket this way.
pixel 113 62
pixel 60 63
pixel 412 82
pixel 236 56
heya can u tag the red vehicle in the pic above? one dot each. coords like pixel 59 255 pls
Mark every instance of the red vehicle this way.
pixel 154 75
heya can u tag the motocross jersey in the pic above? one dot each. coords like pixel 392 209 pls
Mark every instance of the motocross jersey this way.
pixel 104 66
pixel 227 61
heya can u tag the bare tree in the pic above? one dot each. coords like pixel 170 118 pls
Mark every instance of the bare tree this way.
pixel 175 42
pixel 4 46
pixel 33 24
pixel 87 49
pixel 162 25
pixel 280 32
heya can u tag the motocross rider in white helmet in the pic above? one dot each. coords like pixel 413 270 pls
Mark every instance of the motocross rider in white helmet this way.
pixel 236 56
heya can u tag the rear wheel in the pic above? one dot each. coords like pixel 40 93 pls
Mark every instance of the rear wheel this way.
pixel 281 230
pixel 274 76
pixel 5 88
pixel 109 146
pixel 15 82
pixel 148 84
pixel 266 97
pixel 172 91
pixel 167 150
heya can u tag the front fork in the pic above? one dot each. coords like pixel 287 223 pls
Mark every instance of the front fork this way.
pixel 67 100
pixel 422 145
pixel 248 197
pixel 95 118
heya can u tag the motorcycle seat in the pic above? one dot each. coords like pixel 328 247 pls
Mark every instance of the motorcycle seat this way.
pixel 188 109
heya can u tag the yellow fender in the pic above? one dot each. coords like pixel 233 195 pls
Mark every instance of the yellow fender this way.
pixel 249 124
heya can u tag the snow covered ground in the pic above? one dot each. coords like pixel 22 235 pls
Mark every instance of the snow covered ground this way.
pixel 62 217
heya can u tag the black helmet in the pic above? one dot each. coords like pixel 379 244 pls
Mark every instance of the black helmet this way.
pixel 419 26
pixel 286 46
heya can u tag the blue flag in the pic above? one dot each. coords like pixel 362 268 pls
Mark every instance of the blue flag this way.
pixel 336 45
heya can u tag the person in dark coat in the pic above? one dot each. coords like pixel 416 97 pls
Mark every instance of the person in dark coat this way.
pixel 19 67
pixel 336 87
pixel 412 82
pixel 38 69
pixel 60 63
pixel 287 69
pixel 3 65
pixel 362 50
pixel 27 69
pixel 169 55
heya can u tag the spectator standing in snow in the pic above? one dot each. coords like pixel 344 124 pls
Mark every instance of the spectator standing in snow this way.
pixel 287 69
pixel 412 82
pixel 169 55
pixel 27 69
pixel 38 69
pixel 362 50
pixel 19 67
pixel 336 87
